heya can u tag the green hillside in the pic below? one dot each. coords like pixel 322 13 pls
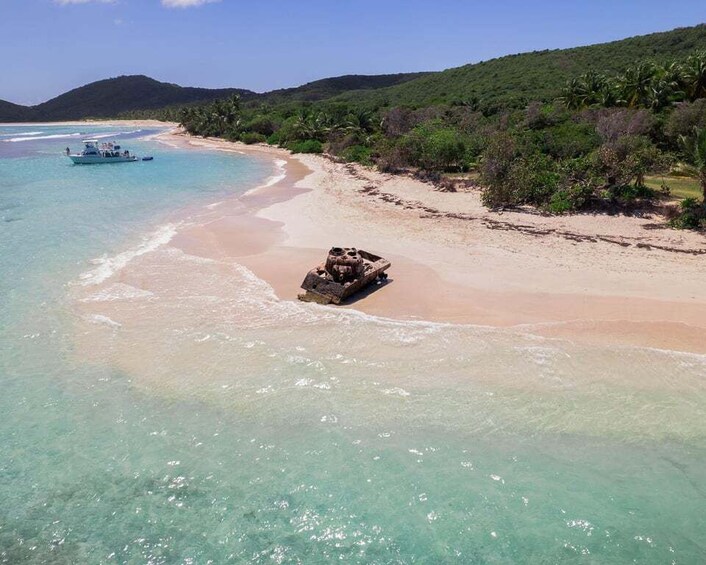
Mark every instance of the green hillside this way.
pixel 330 87
pixel 514 80
pixel 127 94
pixel 10 112
pixel 111 97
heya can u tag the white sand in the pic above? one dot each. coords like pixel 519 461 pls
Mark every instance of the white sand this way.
pixel 591 277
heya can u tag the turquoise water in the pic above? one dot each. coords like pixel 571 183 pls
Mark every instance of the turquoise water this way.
pixel 202 420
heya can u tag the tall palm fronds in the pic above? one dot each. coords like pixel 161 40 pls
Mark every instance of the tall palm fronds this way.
pixel 219 118
pixel 590 89
pixel 694 147
pixel 636 85
pixel 694 76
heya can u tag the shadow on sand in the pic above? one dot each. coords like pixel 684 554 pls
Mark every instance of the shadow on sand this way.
pixel 367 291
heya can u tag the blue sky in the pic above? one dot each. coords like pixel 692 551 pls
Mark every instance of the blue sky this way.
pixel 50 46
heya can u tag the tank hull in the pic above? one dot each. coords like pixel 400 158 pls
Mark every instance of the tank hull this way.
pixel 321 286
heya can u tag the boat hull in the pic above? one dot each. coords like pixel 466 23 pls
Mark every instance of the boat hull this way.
pixel 99 160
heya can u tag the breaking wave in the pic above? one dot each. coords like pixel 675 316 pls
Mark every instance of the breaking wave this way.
pixel 34 136
pixel 24 133
pixel 108 266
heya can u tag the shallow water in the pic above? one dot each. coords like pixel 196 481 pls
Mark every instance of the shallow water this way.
pixel 163 408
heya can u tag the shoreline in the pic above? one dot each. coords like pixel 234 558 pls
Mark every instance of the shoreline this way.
pixel 554 277
pixel 112 122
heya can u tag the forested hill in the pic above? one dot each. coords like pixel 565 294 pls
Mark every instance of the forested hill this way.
pixel 10 112
pixel 515 80
pixel 119 96
pixel 111 97
pixel 330 87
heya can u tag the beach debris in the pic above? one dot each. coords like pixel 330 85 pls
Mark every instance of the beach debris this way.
pixel 347 270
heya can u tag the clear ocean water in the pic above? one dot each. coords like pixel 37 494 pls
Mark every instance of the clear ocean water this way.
pixel 197 419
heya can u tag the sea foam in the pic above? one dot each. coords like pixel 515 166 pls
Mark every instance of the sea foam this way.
pixel 24 133
pixel 118 291
pixel 279 175
pixel 36 138
pixel 108 266
pixel 31 136
pixel 274 179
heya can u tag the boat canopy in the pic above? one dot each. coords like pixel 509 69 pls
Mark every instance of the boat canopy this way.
pixel 90 141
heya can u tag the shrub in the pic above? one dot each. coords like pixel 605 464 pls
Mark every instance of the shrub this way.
pixel 495 170
pixel 512 179
pixel 533 180
pixel 685 117
pixel 434 147
pixel 307 146
pixel 287 133
pixel 442 149
pixel 339 142
pixel 398 121
pixel 691 215
pixel 262 124
pixel 629 158
pixel 251 137
pixel 614 123
pixel 358 153
pixel 561 202
pixel 630 192
pixel 392 155
pixel 570 139
pixel 273 139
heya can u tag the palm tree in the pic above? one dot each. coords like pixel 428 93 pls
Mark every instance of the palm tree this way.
pixel 572 94
pixel 310 125
pixel 666 86
pixel 590 89
pixel 695 151
pixel 694 76
pixel 636 85
pixel 608 97
pixel 593 85
pixel 663 91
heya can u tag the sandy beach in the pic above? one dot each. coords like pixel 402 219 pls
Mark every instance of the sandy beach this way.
pixel 596 278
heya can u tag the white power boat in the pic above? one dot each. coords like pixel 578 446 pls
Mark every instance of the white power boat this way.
pixel 94 153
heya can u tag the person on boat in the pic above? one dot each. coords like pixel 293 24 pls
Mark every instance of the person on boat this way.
pixel 68 151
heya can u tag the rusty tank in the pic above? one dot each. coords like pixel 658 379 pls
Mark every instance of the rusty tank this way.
pixel 347 270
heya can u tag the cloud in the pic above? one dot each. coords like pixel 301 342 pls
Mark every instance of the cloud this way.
pixel 185 3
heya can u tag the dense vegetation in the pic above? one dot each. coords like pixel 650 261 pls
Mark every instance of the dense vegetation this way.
pixel 591 147
pixel 516 80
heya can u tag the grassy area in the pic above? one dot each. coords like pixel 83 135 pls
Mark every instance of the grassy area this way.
pixel 681 187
